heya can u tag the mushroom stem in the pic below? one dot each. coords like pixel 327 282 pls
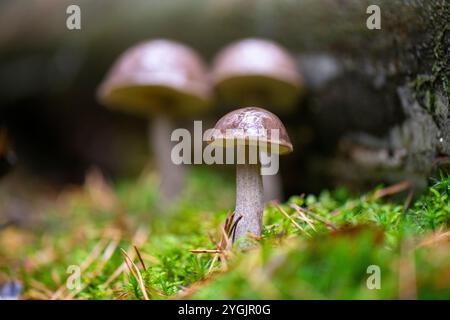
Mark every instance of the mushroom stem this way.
pixel 249 200
pixel 273 187
pixel 172 175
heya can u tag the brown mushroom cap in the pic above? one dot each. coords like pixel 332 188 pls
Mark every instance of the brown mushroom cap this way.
pixel 256 67
pixel 249 125
pixel 157 76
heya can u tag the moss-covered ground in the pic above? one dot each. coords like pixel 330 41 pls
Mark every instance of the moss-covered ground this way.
pixel 127 245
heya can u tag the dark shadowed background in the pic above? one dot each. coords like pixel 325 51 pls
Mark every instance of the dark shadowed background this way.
pixel 376 107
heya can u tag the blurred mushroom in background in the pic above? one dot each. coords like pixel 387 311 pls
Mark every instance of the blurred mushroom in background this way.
pixel 162 80
pixel 258 72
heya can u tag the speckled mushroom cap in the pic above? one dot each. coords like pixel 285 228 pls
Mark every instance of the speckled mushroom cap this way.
pixel 157 76
pixel 249 125
pixel 256 71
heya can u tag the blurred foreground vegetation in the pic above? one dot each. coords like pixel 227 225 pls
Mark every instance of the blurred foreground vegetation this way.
pixel 128 246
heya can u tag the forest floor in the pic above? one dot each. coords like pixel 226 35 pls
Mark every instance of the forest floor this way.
pixel 123 244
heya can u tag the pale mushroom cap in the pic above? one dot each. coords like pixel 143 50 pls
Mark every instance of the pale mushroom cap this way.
pixel 249 125
pixel 157 76
pixel 257 67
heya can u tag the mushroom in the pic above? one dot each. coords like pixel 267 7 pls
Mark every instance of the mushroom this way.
pixel 163 80
pixel 258 72
pixel 256 130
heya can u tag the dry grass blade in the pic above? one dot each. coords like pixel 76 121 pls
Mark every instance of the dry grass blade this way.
pixel 140 258
pixel 205 251
pixel 229 221
pixel 408 200
pixel 227 231
pixel 36 295
pixel 230 224
pixel 139 239
pixel 396 188
pixel 406 205
pixel 212 263
pixel 122 296
pixel 302 215
pixel 225 242
pixel 109 251
pixel 224 246
pixel 93 255
pixel 129 263
pixel 42 288
pixel 115 274
pixel 136 274
pixel 435 239
pixel 288 216
pixel 231 234
pixel 329 224
pixel 56 278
